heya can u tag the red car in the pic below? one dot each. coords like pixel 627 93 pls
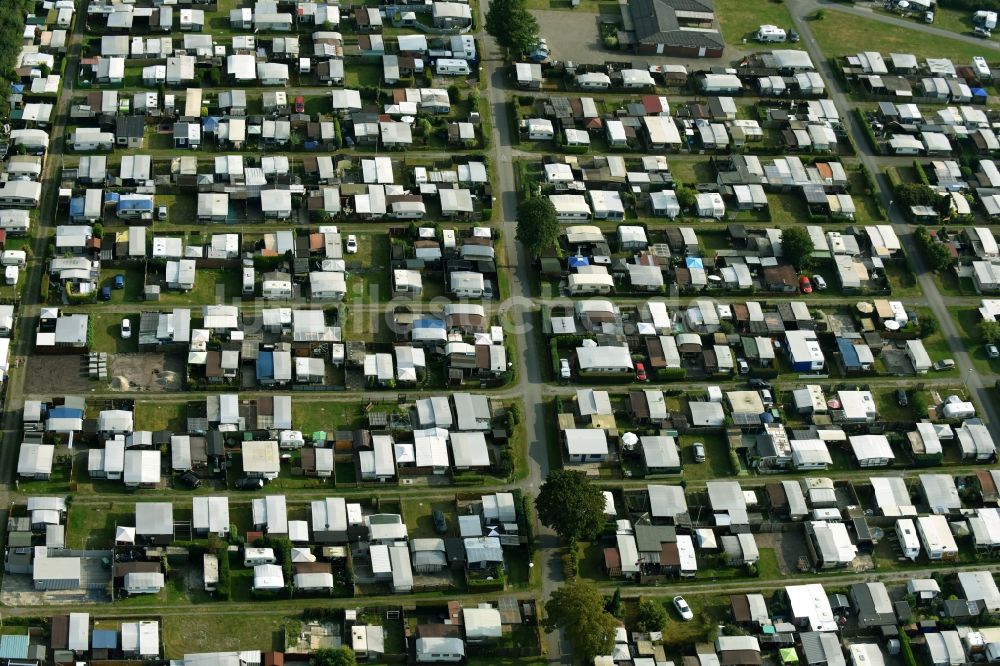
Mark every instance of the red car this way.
pixel 805 285
pixel 300 104
pixel 640 372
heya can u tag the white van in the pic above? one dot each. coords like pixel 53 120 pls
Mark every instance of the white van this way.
pixel 770 33
pixel 11 275
pixel 249 281
pixel 451 67
pixel 14 258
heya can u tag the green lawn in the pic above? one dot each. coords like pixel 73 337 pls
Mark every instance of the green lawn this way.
pixel 106 333
pixel 184 634
pixel 312 416
pixel 134 278
pixel 93 525
pixel 181 208
pixel 954 20
pixel 716 465
pixel 418 516
pixel 358 76
pixel 692 172
pixel 160 416
pixel 839 34
pixel 741 18
pixel 211 286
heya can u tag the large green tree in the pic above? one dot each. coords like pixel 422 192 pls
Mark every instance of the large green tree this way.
pixel 797 247
pixel 333 657
pixel 652 615
pixel 571 505
pixel 537 225
pixel 578 609
pixel 512 25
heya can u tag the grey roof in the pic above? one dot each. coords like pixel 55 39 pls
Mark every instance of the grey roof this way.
pixel 656 22
pixel 822 648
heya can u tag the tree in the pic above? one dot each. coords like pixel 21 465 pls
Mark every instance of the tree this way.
pixel 512 25
pixel 989 331
pixel 571 505
pixel 578 609
pixel 797 246
pixel 652 615
pixel 331 657
pixel 537 226
pixel 686 197
pixel 614 605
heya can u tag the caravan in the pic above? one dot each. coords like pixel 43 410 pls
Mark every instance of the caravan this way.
pixel 770 33
pixel 452 67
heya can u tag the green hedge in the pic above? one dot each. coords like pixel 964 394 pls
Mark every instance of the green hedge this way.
pixel 670 374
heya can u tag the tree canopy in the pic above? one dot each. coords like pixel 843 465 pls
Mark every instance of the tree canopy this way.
pixel 935 254
pixel 578 609
pixel 797 247
pixel 571 505
pixel 537 226
pixel 333 657
pixel 686 197
pixel 512 25
pixel 652 615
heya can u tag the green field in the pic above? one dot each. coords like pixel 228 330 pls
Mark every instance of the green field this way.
pixel 740 18
pixel 839 33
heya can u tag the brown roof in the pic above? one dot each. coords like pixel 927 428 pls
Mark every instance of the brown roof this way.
pixel 59 633
pixel 739 604
pixel 669 555
pixel 312 567
pixel 438 630
pixel 307 456
pixel 739 658
pixel 655 350
pixel 640 406
pixel 986 484
pixel 776 495
pixel 781 274
pixel 124 568
pixel 274 659
pixel 612 558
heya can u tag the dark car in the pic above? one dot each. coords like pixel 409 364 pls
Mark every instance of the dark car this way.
pixel 440 522
pixel 119 281
pixel 755 383
pixel 793 36
pixel 249 483
pixel 902 398
pixel 105 293
pixel 190 480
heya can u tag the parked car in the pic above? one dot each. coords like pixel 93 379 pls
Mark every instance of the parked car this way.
pixel 805 285
pixel 564 370
pixel 126 329
pixel 300 104
pixel 980 31
pixel 249 483
pixel 944 364
pixel 105 293
pixel 819 282
pixel 190 480
pixel 928 17
pixel 742 366
pixel 119 281
pixel 699 452
pixel 640 372
pixel 440 522
pixel 683 609
pixel 755 383
pixel 792 35
pixel 902 399
pixel 767 398
pixel 352 244
pixel 992 351
pixel 161 213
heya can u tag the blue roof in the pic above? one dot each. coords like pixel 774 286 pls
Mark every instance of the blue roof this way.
pixel 13 647
pixel 428 322
pixel 17 87
pixel 576 262
pixel 210 124
pixel 694 262
pixel 848 352
pixel 979 92
pixel 66 413
pixel 265 365
pixel 104 639
pixel 111 197
pixel 76 205
pixel 135 204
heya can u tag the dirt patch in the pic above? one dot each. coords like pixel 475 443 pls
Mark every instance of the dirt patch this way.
pixel 155 373
pixel 59 374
